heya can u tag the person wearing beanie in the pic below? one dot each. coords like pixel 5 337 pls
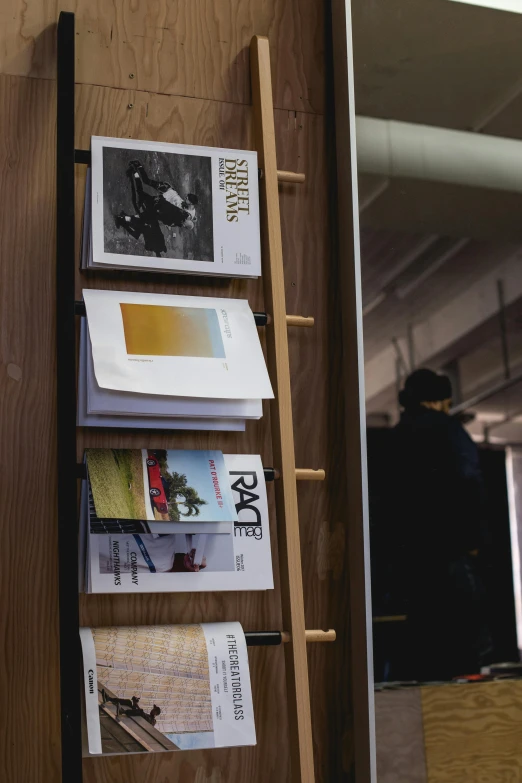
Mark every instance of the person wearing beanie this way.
pixel 436 511
pixel 427 389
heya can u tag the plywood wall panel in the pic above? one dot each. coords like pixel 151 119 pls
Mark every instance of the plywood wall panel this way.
pixel 169 118
pixel 197 49
pixel 29 674
pixel 203 46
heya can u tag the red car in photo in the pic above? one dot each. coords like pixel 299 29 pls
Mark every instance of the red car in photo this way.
pixel 156 488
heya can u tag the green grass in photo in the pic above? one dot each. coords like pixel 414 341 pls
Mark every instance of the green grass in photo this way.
pixel 116 477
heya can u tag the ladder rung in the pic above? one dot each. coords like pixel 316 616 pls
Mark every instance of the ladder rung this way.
pixel 291 176
pixel 307 474
pixel 312 636
pixel 299 320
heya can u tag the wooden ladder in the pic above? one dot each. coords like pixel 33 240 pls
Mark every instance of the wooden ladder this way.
pixel 290 570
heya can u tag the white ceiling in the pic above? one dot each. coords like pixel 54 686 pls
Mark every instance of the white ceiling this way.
pixel 434 62
pixel 513 6
pixel 458 66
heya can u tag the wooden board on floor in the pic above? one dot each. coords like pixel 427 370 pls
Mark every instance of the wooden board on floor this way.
pixel 473 733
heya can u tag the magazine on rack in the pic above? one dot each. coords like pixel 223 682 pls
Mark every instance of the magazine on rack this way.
pixel 203 413
pixel 107 401
pixel 171 208
pixel 176 346
pixel 158 491
pixel 165 687
pixel 115 562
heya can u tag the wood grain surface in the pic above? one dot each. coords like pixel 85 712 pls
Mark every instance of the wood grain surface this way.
pixel 29 680
pixel 29 627
pixel 206 57
pixel 400 737
pixel 197 49
pixel 473 733
pixel 311 287
pixel 163 118
pixel 278 360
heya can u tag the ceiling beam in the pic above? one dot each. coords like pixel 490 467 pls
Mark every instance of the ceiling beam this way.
pixel 449 325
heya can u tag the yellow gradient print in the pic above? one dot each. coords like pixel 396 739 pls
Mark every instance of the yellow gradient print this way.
pixel 154 330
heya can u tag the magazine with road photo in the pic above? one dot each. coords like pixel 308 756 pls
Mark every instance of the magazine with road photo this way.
pixel 115 562
pixel 158 688
pixel 158 491
pixel 179 346
pixel 172 208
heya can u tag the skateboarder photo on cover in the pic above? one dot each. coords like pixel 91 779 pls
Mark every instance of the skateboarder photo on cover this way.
pixel 165 205
pixel 157 203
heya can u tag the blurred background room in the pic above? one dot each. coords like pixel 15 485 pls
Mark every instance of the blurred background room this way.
pixel 438 87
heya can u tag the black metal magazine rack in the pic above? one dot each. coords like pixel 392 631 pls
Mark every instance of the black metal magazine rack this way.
pixel 69 472
pixel 70 654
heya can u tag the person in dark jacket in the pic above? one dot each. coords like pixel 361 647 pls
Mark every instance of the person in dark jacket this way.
pixel 437 508
pixel 165 206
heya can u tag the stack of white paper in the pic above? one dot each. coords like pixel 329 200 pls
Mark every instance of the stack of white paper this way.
pixel 171 208
pixel 169 362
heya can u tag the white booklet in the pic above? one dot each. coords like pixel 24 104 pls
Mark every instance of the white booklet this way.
pixel 166 687
pixel 158 491
pixel 173 208
pixel 182 346
pixel 114 403
pixel 179 421
pixel 115 563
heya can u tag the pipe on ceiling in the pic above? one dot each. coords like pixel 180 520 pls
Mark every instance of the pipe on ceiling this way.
pixel 401 149
pixel 497 388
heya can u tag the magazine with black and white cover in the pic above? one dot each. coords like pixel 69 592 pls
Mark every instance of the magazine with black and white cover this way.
pixel 114 563
pixel 181 407
pixel 161 688
pixel 158 491
pixel 172 208
pixel 180 346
